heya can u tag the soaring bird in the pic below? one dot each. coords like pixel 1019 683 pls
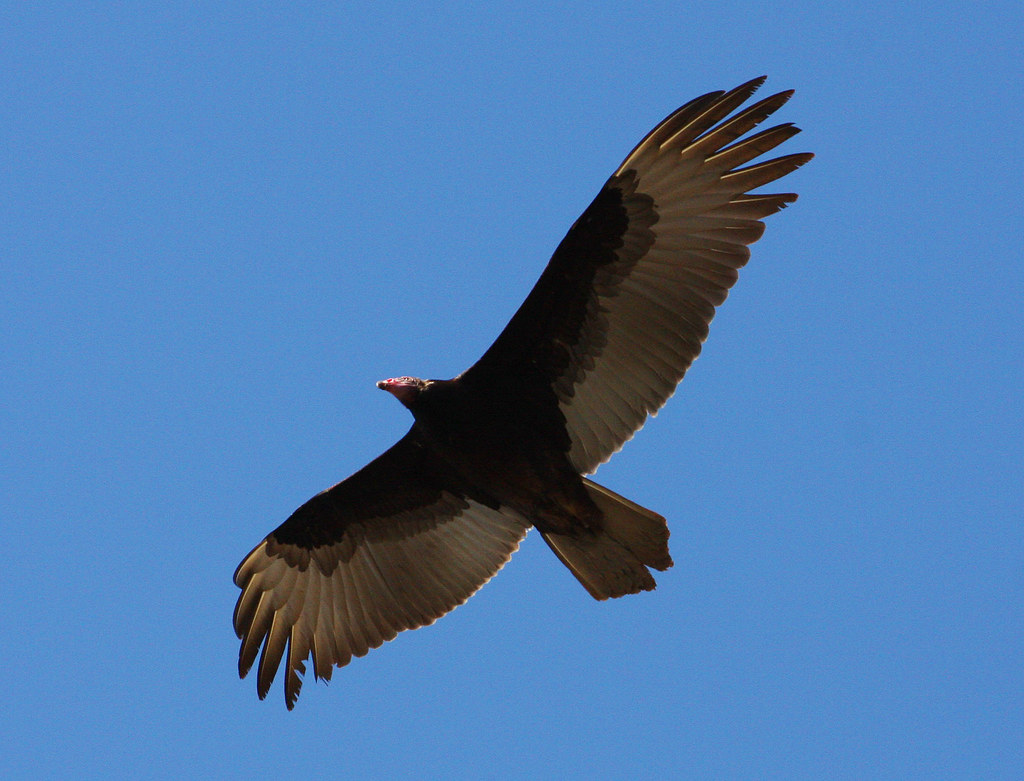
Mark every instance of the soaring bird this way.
pixel 602 340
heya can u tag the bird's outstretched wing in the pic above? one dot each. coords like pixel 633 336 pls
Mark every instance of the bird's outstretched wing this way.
pixel 623 307
pixel 395 546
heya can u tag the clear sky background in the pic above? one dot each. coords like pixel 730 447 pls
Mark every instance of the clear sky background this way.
pixel 221 223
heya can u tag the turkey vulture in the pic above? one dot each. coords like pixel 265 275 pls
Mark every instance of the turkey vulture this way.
pixel 601 342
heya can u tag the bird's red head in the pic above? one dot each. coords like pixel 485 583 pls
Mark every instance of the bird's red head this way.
pixel 405 389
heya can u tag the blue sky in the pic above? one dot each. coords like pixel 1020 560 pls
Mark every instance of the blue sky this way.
pixel 222 223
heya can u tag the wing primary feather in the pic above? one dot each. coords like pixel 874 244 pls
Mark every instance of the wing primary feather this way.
pixel 729 131
pixel 325 650
pixel 270 658
pixel 762 173
pixel 754 146
pixel 653 141
pixel 754 207
pixel 681 127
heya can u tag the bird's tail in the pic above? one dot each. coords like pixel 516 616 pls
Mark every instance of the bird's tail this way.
pixel 613 561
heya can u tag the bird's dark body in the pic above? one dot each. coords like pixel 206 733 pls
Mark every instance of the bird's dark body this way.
pixel 612 325
pixel 517 452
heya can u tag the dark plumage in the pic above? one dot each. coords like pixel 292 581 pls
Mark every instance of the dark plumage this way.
pixel 601 342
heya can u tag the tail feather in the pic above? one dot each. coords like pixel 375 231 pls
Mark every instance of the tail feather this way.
pixel 613 561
